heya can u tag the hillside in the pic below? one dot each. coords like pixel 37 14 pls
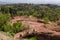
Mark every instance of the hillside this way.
pixel 30 21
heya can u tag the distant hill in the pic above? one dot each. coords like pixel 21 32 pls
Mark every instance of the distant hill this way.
pixel 4 2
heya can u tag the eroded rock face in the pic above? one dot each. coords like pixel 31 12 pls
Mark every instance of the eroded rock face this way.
pixel 37 29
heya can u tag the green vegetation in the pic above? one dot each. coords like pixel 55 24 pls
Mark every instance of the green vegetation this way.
pixel 7 27
pixel 32 38
pixel 17 27
pixel 4 18
pixel 52 12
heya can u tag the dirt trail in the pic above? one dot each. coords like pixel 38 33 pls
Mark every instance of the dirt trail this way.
pixel 36 28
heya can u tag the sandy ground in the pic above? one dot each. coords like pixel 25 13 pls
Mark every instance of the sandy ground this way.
pixel 3 36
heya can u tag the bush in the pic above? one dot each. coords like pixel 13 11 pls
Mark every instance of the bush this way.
pixel 11 29
pixel 46 20
pixel 32 38
pixel 4 18
pixel 17 27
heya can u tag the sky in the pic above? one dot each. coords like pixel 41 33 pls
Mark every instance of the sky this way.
pixel 33 1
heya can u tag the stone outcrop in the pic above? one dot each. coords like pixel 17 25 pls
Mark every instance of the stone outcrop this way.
pixel 35 28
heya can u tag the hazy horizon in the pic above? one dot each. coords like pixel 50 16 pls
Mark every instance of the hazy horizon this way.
pixel 33 1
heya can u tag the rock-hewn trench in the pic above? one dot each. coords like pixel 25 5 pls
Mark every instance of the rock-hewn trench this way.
pixel 35 28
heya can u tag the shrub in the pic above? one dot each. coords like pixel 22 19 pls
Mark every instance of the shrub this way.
pixel 17 27
pixel 32 38
pixel 46 20
pixel 4 18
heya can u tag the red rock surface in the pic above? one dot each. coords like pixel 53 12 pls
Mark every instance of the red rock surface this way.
pixel 38 27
